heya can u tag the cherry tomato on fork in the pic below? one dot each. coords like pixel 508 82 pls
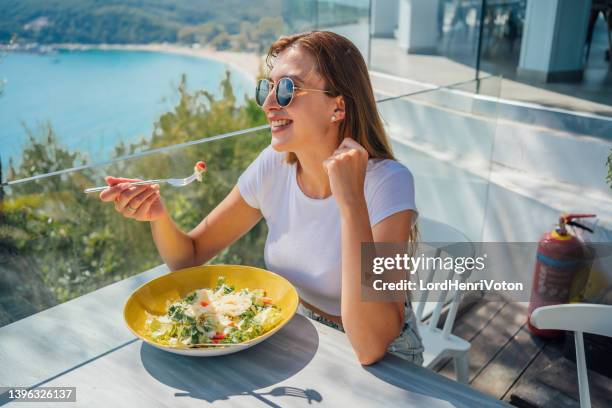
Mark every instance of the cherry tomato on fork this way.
pixel 201 165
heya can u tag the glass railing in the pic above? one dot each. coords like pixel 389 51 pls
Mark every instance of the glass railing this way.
pixel 446 140
pixel 59 243
pixel 56 243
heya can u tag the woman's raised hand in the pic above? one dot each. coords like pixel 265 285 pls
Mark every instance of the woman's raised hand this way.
pixel 142 203
pixel 346 169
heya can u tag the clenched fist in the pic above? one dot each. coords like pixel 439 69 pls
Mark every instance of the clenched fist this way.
pixel 346 169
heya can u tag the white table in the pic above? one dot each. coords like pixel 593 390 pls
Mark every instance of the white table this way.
pixel 85 344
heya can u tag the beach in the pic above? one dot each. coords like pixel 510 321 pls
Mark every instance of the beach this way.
pixel 247 63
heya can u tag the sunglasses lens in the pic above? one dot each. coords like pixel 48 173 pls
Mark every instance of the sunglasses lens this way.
pixel 262 91
pixel 284 92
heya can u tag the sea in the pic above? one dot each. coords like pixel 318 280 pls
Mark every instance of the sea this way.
pixel 95 98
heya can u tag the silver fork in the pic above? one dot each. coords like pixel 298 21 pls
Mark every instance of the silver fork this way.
pixel 200 345
pixel 172 181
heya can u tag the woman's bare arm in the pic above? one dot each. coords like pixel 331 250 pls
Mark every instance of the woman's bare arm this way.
pixel 370 326
pixel 226 223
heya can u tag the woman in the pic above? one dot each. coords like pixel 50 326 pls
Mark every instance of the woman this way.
pixel 327 182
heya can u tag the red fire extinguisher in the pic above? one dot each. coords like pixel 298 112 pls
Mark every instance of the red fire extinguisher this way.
pixel 561 259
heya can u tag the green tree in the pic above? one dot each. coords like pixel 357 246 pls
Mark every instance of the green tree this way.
pixel 202 33
pixel 123 21
pixel 221 41
pixel 268 29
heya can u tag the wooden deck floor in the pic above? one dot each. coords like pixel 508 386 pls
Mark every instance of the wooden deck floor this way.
pixel 509 363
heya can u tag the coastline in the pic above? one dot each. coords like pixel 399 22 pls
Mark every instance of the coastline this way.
pixel 247 63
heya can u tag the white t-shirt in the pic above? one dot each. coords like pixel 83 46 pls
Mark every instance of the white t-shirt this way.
pixel 304 240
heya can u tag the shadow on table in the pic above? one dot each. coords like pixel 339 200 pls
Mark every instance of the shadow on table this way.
pixel 429 385
pixel 218 378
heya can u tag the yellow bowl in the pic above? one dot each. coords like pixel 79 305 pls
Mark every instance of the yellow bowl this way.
pixel 153 297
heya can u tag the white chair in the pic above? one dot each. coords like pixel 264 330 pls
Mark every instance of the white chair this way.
pixel 441 343
pixel 579 318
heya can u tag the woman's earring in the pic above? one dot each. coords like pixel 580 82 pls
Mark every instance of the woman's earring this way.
pixel 333 118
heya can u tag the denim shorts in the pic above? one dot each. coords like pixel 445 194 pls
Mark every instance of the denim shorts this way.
pixel 408 345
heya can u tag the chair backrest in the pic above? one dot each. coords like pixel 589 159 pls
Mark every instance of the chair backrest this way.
pixel 579 318
pixel 445 241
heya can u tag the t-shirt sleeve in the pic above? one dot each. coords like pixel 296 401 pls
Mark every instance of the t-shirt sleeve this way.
pixel 250 183
pixel 392 191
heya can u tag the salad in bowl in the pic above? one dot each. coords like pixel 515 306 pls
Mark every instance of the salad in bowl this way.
pixel 215 315
pixel 210 310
